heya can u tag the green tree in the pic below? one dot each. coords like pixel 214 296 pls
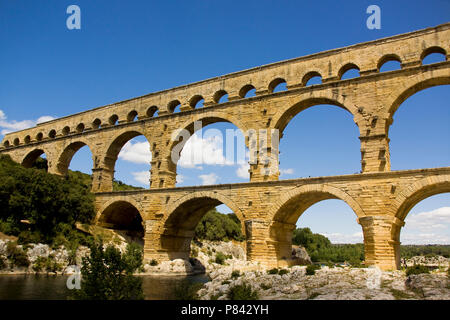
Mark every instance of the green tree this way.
pixel 320 248
pixel 48 202
pixel 106 274
pixel 16 255
pixel 416 269
pixel 409 251
pixel 242 291
pixel 215 226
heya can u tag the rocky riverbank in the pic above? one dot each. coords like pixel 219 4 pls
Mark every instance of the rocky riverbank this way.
pixel 206 257
pixel 38 258
pixel 225 263
pixel 337 283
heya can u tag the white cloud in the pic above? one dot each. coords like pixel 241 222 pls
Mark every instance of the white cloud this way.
pixel 11 126
pixel 407 237
pixel 430 220
pixel 242 171
pixel 142 177
pixel 286 171
pixel 356 237
pixel 430 227
pixel 138 152
pixel 44 119
pixel 203 150
pixel 208 178
pixel 180 178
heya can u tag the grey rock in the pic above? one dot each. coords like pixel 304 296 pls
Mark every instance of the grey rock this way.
pixel 300 256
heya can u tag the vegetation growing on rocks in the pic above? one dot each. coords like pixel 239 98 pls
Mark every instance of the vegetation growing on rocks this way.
pixel 107 274
pixel 48 264
pixel 416 269
pixel 311 269
pixel 242 291
pixel 343 283
pixel 16 255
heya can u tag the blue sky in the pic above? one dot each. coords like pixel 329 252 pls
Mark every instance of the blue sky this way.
pixel 130 48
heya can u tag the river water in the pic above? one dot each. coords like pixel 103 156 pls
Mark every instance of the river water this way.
pixel 42 287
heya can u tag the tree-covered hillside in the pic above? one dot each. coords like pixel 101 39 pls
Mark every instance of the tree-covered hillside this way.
pixel 320 248
pixel 41 207
pixel 216 226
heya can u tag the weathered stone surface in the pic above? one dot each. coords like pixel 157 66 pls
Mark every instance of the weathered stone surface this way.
pixel 436 261
pixel 430 286
pixel 268 208
pixel 300 256
pixel 332 284
pixel 38 250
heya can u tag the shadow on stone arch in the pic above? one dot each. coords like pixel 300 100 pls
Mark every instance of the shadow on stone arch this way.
pixel 179 228
pixel 123 219
pixel 286 215
pixel 35 159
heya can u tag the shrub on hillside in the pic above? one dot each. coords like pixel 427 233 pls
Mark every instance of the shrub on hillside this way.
pixel 48 264
pixel 2 263
pixel 311 269
pixel 283 271
pixel 106 274
pixel 273 271
pixel 153 262
pixel 417 269
pixel 39 264
pixel 16 255
pixel 220 258
pixel 242 292
pixel 133 258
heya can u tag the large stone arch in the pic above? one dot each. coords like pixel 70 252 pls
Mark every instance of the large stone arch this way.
pixel 68 151
pixel 204 194
pixel 182 216
pixel 120 198
pixel 291 205
pixel 416 192
pixel 421 82
pixel 204 120
pixel 124 217
pixel 181 135
pixel 407 199
pixel 31 156
pixel 116 143
pixel 319 192
pixel 285 115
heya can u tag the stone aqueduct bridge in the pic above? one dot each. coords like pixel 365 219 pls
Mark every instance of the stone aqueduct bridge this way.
pixel 268 208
